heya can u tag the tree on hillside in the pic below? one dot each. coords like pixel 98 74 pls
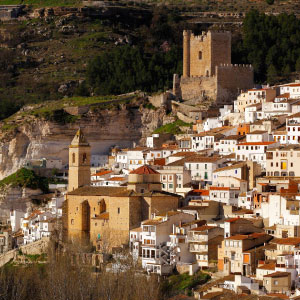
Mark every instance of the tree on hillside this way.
pixel 270 43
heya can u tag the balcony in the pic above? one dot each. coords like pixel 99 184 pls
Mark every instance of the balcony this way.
pixel 196 248
pixel 197 238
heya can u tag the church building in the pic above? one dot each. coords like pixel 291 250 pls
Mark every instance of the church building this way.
pixel 105 215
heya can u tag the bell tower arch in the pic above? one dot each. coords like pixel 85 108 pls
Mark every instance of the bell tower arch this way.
pixel 79 162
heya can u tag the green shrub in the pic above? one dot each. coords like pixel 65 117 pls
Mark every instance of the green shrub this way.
pixel 183 282
pixel 173 128
pixel 26 178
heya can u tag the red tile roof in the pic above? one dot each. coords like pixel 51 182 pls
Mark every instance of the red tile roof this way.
pixel 278 274
pixel 219 188
pixel 102 172
pixel 116 179
pixel 202 192
pixel 159 162
pixel 293 85
pixel 270 266
pixel 144 170
pixel 256 143
pixel 232 220
pixel 288 241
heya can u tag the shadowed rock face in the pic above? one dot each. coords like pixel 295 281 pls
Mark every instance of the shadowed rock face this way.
pixel 37 138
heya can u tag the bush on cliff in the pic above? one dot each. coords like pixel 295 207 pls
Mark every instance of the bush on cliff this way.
pixel 26 178
pixel 173 128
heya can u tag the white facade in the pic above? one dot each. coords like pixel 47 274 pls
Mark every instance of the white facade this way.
pixel 293 129
pixel 122 160
pixel 227 195
pixel 155 236
pixel 292 88
pixel 255 151
pixel 227 146
pixel 37 225
pixel 211 123
pixel 136 158
pixel 202 169
pixel 15 219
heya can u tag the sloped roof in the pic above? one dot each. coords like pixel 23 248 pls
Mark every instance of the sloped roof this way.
pixel 97 191
pixel 233 166
pixel 102 172
pixel 79 139
pixel 144 170
pixel 278 274
pixel 270 266
pixel 288 241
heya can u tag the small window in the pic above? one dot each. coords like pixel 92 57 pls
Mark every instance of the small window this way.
pixel 73 158
pixel 200 55
pixel 118 210
pixel 72 221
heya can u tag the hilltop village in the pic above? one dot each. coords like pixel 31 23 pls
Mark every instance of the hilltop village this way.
pixel 222 196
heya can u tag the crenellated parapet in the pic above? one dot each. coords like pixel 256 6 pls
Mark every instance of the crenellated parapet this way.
pixel 235 66
pixel 207 68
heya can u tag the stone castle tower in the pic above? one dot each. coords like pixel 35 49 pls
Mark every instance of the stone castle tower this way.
pixel 202 54
pixel 79 162
pixel 207 69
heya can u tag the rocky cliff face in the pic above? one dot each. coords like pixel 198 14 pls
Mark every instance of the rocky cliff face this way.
pixel 34 138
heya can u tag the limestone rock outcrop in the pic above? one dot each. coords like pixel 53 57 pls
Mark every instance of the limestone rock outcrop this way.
pixel 34 137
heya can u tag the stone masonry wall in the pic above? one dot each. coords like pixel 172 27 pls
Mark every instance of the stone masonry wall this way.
pixel 37 247
pixel 231 79
pixel 198 87
pixel 206 52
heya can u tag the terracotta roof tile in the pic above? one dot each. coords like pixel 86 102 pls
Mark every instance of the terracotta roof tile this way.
pixel 278 274
pixel 102 172
pixel 144 170
pixel 288 241
pixel 256 143
pixel 97 191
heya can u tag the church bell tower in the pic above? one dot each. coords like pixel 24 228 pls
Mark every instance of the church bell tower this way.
pixel 79 162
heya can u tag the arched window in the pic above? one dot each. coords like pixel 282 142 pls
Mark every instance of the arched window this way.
pixel 73 158
pixel 102 206
pixel 200 55
pixel 84 157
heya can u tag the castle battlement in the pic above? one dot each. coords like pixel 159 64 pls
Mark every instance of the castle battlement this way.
pixel 202 53
pixel 205 34
pixel 235 66
pixel 207 68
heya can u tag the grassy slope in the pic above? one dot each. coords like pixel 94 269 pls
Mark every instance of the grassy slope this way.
pixel 65 56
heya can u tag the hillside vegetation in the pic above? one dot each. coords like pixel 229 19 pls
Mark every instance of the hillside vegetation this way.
pixel 42 3
pixel 25 178
pixel 137 49
pixel 271 44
